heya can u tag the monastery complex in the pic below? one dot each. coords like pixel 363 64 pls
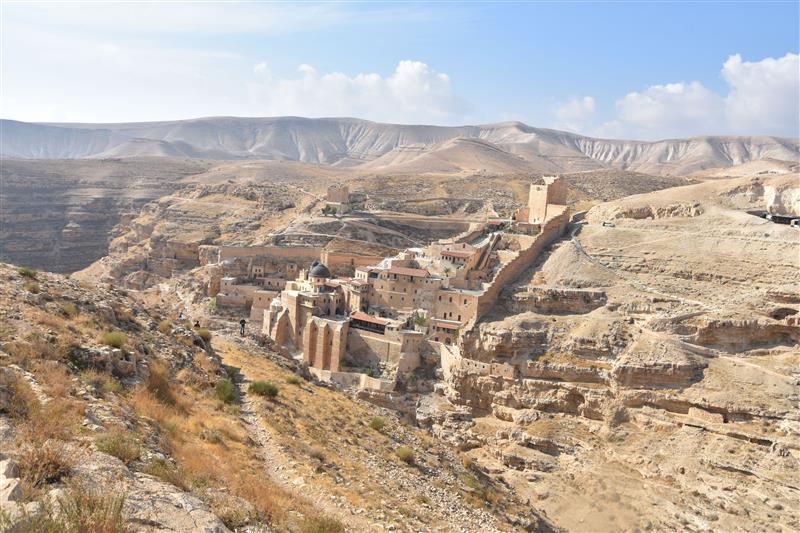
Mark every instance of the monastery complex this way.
pixel 365 321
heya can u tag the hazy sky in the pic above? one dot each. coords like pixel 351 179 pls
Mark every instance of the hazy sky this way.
pixel 623 69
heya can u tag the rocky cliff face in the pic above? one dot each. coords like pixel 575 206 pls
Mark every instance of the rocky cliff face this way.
pixel 59 215
pixel 606 378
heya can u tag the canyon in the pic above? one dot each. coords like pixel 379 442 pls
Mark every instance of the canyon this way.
pixel 637 369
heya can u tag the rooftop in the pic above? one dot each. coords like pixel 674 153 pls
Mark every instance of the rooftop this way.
pixel 457 253
pixel 446 324
pixel 405 271
pixel 364 317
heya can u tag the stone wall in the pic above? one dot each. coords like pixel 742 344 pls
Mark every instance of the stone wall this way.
pixel 531 248
pixel 297 253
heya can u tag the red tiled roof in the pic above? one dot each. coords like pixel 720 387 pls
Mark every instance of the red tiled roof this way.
pixel 405 271
pixel 456 253
pixel 364 317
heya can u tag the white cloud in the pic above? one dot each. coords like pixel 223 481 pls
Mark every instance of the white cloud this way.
pixel 764 95
pixel 671 110
pixel 763 98
pixel 575 114
pixel 413 93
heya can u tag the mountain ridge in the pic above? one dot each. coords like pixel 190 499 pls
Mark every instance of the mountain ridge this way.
pixel 351 142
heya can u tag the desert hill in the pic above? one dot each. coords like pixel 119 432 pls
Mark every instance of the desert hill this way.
pixel 116 415
pixel 348 142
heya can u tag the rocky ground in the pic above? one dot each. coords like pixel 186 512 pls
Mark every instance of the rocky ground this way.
pixel 658 385
pixel 662 358
pixel 115 417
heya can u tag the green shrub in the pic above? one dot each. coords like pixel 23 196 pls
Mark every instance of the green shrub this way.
pixel 263 388
pixel 112 385
pixel 204 334
pixel 405 454
pixel 26 272
pixel 377 423
pixel 69 309
pixel 121 445
pixel 225 391
pixel 420 320
pixel 294 380
pixel 115 339
pixel 321 524
pixel 32 287
pixel 165 471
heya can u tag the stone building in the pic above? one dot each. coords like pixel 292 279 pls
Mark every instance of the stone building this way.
pixel 338 197
pixel 544 201
pixel 393 311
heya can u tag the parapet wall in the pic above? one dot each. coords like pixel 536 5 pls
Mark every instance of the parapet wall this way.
pixel 550 231
pixel 278 252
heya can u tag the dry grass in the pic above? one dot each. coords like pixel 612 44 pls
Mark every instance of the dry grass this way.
pixel 201 461
pixel 80 511
pixel 55 378
pixel 32 287
pixel 51 321
pixel 204 334
pixel 69 309
pixel 121 444
pixel 34 346
pixel 159 384
pixel 321 524
pixel 41 463
pixel 102 382
pixel 21 399
pixel 166 471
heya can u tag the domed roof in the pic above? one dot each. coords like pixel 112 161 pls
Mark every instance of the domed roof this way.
pixel 319 270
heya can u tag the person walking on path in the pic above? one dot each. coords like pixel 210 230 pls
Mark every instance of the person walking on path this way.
pixel 242 322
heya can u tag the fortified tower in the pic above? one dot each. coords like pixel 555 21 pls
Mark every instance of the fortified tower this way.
pixel 552 193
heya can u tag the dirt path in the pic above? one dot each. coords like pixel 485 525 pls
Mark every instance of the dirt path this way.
pixel 278 466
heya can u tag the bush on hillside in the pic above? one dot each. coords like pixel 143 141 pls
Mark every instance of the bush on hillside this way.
pixel 26 272
pixel 264 388
pixel 405 454
pixel 225 391
pixel 115 339
pixel 377 423
pixel 121 445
